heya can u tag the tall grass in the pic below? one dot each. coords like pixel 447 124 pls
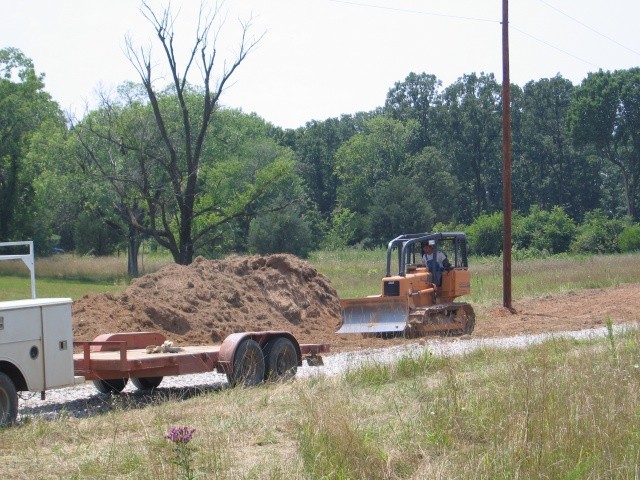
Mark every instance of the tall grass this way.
pixel 85 268
pixel 558 274
pixel 352 272
pixel 71 276
pixel 358 273
pixel 14 288
pixel 562 409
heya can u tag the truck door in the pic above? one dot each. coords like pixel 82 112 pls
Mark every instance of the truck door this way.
pixel 57 344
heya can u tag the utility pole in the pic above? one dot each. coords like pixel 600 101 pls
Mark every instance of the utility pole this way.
pixel 506 160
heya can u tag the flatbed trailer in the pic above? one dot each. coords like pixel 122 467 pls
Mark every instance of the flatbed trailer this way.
pixel 247 358
pixel 38 353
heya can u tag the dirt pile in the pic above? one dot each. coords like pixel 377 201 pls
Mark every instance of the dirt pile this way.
pixel 204 302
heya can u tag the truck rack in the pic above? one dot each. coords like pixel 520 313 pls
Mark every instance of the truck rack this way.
pixel 27 259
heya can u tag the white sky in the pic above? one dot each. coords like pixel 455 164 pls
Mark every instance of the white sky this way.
pixel 324 58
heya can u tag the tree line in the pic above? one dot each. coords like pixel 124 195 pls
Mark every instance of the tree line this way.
pixel 431 158
pixel 168 165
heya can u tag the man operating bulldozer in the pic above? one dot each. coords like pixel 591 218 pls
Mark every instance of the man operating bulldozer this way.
pixel 441 263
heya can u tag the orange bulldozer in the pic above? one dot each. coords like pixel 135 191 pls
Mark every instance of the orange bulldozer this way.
pixel 418 300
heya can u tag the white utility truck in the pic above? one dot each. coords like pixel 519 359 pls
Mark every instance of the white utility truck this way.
pixel 36 342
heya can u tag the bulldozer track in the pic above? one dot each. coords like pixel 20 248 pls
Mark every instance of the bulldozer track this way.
pixel 445 319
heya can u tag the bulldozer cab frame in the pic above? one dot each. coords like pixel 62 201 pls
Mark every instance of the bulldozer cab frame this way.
pixel 409 249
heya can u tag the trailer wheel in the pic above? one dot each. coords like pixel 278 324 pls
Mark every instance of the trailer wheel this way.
pixel 281 359
pixel 8 401
pixel 115 385
pixel 248 365
pixel 146 383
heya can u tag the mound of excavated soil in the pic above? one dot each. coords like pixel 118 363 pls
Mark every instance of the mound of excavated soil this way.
pixel 204 302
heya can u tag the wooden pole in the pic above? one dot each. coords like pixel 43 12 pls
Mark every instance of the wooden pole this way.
pixel 506 160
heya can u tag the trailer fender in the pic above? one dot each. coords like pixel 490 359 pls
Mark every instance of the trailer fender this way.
pixel 232 342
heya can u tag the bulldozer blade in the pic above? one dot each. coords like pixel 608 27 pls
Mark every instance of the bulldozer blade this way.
pixel 374 315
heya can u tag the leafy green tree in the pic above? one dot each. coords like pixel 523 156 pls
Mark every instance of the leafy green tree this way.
pixel 281 232
pixel 315 146
pixel 398 206
pixel 547 170
pixel 93 237
pixel 605 114
pixel 24 107
pixel 429 170
pixel 253 177
pixel 163 196
pixel 60 192
pixel 377 154
pixel 415 99
pixel 470 135
pixel 117 155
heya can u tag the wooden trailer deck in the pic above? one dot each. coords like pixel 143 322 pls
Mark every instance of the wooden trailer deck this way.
pixel 119 356
pixel 137 362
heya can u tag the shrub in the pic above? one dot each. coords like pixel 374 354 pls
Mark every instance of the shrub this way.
pixel 598 234
pixel 485 235
pixel 281 232
pixel 629 239
pixel 345 226
pixel 550 231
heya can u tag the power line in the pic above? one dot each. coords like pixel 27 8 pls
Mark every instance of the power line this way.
pixel 589 28
pixel 418 12
pixel 513 27
pixel 486 20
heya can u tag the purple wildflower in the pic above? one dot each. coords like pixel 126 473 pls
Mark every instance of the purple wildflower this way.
pixel 180 435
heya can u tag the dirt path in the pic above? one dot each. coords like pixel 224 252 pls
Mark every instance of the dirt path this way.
pixel 204 302
pixel 571 311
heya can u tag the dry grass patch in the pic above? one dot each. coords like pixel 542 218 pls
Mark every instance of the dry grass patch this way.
pixel 562 409
pixel 558 274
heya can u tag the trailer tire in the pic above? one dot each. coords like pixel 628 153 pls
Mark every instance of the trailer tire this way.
pixel 146 383
pixel 248 365
pixel 281 359
pixel 8 401
pixel 115 385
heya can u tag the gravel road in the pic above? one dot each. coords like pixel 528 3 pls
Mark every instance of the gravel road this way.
pixel 84 400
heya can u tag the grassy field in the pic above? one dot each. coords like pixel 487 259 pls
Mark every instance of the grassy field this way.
pixel 353 273
pixel 560 410
pixel 357 273
pixel 563 409
pixel 69 276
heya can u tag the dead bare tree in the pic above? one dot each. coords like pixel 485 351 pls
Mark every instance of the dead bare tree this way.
pixel 170 218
